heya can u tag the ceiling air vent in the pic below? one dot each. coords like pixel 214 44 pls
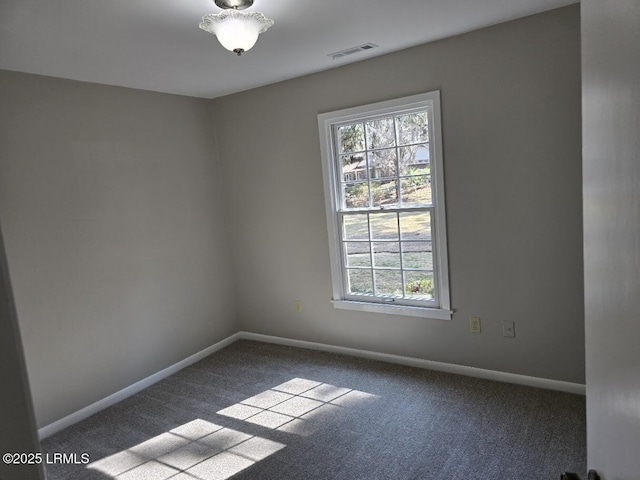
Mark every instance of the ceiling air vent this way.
pixel 352 50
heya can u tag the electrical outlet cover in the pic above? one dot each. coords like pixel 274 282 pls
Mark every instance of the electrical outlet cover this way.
pixel 474 325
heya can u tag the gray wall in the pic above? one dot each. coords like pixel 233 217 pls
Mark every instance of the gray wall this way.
pixel 18 427
pixel 611 125
pixel 512 146
pixel 115 232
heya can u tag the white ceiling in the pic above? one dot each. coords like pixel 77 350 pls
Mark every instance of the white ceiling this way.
pixel 157 45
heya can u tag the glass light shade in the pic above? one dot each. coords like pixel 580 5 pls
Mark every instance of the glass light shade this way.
pixel 236 31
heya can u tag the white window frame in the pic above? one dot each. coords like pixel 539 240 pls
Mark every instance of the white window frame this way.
pixel 440 308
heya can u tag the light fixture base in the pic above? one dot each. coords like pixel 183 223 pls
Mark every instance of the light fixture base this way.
pixel 234 4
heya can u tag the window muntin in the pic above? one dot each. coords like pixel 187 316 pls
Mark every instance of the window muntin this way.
pixel 383 168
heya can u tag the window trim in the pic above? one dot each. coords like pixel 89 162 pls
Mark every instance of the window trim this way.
pixel 326 123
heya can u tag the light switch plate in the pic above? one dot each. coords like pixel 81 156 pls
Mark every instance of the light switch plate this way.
pixel 508 329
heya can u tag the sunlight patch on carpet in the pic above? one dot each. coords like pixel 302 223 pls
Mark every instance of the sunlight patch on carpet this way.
pixel 288 407
pixel 202 450
pixel 198 450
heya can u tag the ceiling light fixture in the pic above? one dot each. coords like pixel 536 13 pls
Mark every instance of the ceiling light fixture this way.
pixel 236 30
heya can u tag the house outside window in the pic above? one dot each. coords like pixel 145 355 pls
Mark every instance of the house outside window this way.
pixel 384 192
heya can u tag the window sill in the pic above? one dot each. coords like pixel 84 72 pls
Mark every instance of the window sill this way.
pixel 434 313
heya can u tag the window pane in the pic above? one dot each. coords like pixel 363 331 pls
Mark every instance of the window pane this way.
pixel 358 254
pixel 354 167
pixel 415 226
pixel 416 190
pixel 384 226
pixel 380 133
pixel 356 227
pixel 382 163
pixel 388 282
pixel 360 281
pixel 417 255
pixel 351 138
pixel 356 195
pixel 418 285
pixel 384 192
pixel 414 160
pixel 386 254
pixel 412 128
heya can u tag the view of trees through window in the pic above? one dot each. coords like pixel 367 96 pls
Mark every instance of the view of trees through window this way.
pixel 387 206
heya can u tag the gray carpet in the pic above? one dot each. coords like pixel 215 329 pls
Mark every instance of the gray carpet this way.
pixel 261 411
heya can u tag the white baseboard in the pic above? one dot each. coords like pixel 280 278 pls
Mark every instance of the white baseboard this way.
pixel 89 410
pixel 428 364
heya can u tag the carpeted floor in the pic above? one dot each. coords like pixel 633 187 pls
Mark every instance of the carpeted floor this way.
pixel 261 411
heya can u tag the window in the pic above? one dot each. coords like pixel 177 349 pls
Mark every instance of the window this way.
pixel 384 189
